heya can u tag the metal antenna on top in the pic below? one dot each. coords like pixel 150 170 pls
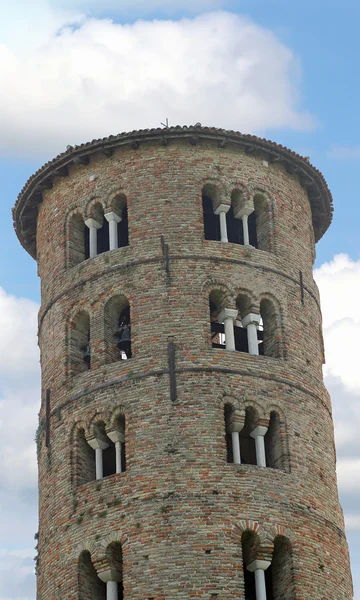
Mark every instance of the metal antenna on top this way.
pixel 166 125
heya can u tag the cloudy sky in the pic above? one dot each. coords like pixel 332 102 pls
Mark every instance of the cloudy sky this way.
pixel 73 70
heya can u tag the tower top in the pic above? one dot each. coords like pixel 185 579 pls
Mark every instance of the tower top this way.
pixel 30 197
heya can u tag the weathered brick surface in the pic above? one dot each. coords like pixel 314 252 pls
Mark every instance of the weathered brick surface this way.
pixel 179 498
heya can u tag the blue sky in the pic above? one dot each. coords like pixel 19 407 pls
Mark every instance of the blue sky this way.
pixel 72 70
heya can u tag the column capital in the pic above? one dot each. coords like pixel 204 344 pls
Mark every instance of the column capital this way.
pixel 251 318
pixel 258 565
pixel 227 313
pixel 116 435
pixel 259 430
pixel 222 208
pixel 109 575
pixel 92 223
pixel 244 211
pixel 97 442
pixel 112 216
pixel 237 421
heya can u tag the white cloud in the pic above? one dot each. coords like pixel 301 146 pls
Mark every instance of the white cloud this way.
pixel 17 581
pixel 345 153
pixel 71 83
pixel 339 284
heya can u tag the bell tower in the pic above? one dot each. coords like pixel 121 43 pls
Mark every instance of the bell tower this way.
pixel 185 440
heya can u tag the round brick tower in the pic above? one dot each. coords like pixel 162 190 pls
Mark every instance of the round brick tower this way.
pixel 185 440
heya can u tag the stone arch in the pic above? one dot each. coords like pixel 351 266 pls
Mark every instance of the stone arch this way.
pixel 75 246
pixel 117 328
pixel 89 584
pixel 78 341
pixel 81 456
pixel 227 294
pixel 272 322
pixel 264 216
pixel 211 198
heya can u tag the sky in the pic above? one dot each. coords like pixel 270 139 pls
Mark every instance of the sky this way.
pixel 74 70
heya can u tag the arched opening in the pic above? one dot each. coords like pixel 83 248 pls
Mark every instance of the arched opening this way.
pixel 270 342
pixel 282 570
pixel 228 417
pixel 115 560
pixel 250 543
pixel 97 234
pixel 261 224
pixel 273 443
pixel 234 227
pixel 89 584
pixel 80 351
pixel 211 221
pixel 217 328
pixel 247 443
pixel 117 329
pixel 103 231
pixel 241 338
pixel 84 457
pixel 123 227
pixel 76 240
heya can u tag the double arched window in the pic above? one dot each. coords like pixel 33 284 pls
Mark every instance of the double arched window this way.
pixel 104 582
pixel 267 575
pixel 100 452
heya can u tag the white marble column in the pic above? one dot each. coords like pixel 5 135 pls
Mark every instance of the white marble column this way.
pixel 93 227
pixel 98 445
pixel 111 577
pixel 113 220
pixel 228 316
pixel 243 214
pixel 112 590
pixel 258 435
pixel 251 322
pixel 234 427
pixel 117 436
pixel 221 210
pixel 258 567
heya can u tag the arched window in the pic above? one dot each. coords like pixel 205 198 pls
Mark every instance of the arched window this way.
pixel 77 249
pixel 282 570
pixel 89 584
pixel 275 458
pixel 84 459
pixel 114 558
pixel 228 418
pixel 97 233
pixel 270 335
pixel 247 443
pixel 262 224
pixel 118 223
pixel 117 329
pixel 211 220
pixel 217 328
pixel 80 349
pixel 250 546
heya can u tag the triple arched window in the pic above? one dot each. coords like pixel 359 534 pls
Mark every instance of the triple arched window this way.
pixel 100 232
pixel 242 328
pixel 243 220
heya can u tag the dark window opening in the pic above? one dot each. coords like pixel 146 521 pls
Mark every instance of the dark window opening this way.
pixel 85 349
pixel 252 229
pixel 269 584
pixel 241 341
pixel 123 229
pixel 247 443
pixel 249 581
pixel 234 228
pixel 103 238
pixel 217 329
pixel 87 242
pixel 109 460
pixel 123 334
pixel 228 411
pixel 211 221
pixel 120 591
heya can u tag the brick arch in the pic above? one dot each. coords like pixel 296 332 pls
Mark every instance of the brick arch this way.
pixel 246 525
pixel 87 545
pixel 118 411
pixel 110 204
pixel 90 205
pixel 277 329
pixel 113 537
pixel 98 417
pixel 215 189
pixel 275 530
pixel 242 403
pixel 74 235
pixel 265 217
pixel 246 301
pixel 239 195
pixel 227 293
